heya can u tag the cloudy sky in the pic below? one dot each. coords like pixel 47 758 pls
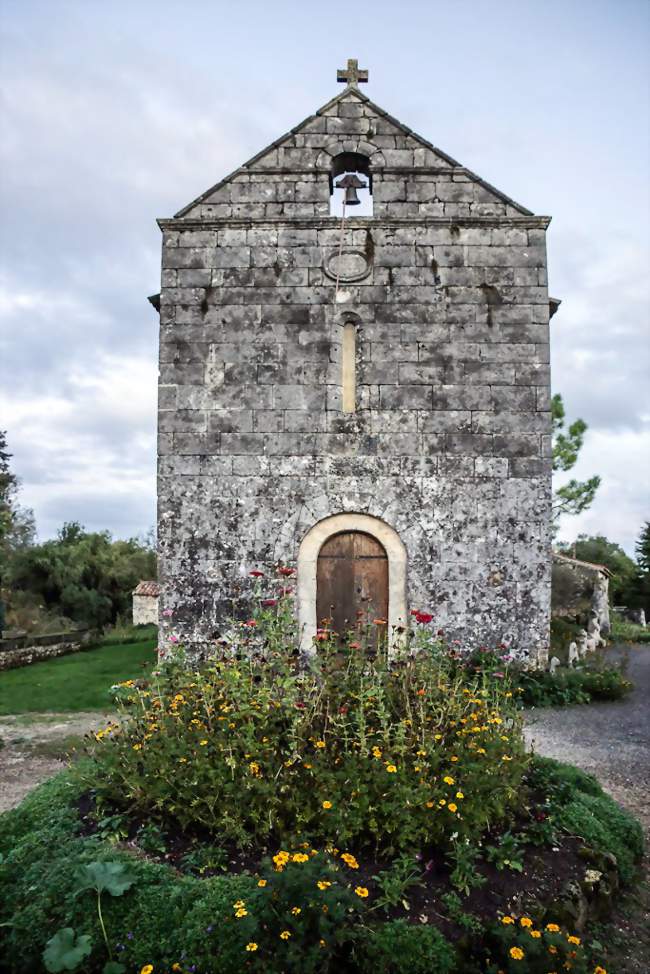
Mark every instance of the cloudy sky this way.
pixel 113 114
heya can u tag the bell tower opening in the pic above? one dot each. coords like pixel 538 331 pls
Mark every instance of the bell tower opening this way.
pixel 350 180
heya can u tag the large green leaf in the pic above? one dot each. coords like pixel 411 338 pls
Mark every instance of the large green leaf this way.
pixel 109 877
pixel 65 950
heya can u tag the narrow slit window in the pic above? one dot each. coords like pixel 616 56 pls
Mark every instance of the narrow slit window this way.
pixel 349 368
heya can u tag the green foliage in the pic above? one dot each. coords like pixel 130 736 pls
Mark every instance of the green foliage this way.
pixel 458 915
pixel 583 684
pixel 563 632
pixel 399 948
pixel 65 950
pixel 85 576
pixel 523 946
pixel 464 857
pixel 507 853
pixel 579 806
pixel 370 751
pixel 80 681
pixel 623 631
pixel 394 883
pixel 104 877
pixel 574 497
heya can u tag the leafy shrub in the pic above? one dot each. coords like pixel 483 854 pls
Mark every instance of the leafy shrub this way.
pixel 580 806
pixel 581 685
pixel 523 946
pixel 398 948
pixel 624 631
pixel 356 749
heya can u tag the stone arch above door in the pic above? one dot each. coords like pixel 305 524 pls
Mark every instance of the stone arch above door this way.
pixel 308 565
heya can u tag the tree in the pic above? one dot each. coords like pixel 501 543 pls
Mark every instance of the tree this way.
pixel 640 593
pixel 16 523
pixel 575 496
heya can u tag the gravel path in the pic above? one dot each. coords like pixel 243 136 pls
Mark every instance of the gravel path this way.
pixel 610 740
pixel 34 748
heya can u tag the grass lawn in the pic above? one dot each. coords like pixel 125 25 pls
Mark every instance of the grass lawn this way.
pixel 76 682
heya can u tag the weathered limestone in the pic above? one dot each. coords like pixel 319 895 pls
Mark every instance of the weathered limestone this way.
pixel 449 443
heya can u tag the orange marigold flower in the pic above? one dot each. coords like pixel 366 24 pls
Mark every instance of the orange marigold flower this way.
pixel 251 947
pixel 361 891
pixel 327 804
pixel 552 928
pixel 516 953
pixel 574 940
pixel 507 919
pixel 526 922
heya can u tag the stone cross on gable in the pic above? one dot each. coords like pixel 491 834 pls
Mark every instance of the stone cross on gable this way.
pixel 353 76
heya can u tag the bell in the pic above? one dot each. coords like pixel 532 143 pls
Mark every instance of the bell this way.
pixel 351 184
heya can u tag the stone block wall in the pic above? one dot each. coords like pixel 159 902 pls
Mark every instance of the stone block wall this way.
pixel 450 443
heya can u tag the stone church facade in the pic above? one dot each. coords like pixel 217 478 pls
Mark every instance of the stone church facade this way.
pixel 382 381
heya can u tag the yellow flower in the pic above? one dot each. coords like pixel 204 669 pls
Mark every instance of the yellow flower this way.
pixel 239 905
pixel 459 794
pixel 526 922
pixel 421 754
pixel 349 860
pixel 507 920
pixel 437 737
pixel 327 804
pixel 300 857
pixel 147 969
pixel 506 757
pixel 574 940
pixel 254 768
pixel 452 807
pixel 308 766
pixel 391 768
pixel 453 758
pixel 323 884
pixel 552 928
pixel 516 953
pixel 241 913
pixel 261 882
pixel 535 933
pixel 176 967
pixel 182 760
pixel 202 743
pixel 296 910
pixel 429 804
pixel 447 780
pixel 376 752
pixel 251 947
pixel 599 970
pixel 361 891
pixel 320 743
pixel 285 935
pixel 138 747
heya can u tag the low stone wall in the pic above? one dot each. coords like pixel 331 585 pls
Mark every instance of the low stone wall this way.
pixel 23 650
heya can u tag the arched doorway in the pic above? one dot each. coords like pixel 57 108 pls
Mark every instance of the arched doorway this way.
pixel 352 584
pixel 308 564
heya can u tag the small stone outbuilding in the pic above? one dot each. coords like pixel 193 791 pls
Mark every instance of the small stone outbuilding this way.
pixel 145 603
pixel 365 399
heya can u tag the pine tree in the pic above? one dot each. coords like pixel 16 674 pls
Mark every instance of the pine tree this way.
pixel 575 496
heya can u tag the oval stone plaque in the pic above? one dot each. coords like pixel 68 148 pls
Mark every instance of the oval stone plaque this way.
pixel 349 265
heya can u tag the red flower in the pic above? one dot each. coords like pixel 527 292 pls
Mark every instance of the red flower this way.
pixel 285 571
pixel 286 591
pixel 423 617
pixel 257 574
pixel 440 632
pixel 251 623
pixel 355 645
pixel 343 710
pixel 269 603
pixel 322 635
pixel 414 612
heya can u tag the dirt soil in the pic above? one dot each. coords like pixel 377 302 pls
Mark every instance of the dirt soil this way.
pixel 34 747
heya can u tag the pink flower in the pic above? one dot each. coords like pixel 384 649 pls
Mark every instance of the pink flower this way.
pixel 173 639
pixel 285 571
pixel 269 603
pixel 167 613
pixel 251 623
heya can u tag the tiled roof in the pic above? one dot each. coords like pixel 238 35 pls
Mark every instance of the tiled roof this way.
pixel 147 588
pixel 582 564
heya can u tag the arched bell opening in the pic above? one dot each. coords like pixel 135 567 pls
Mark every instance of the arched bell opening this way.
pixel 350 181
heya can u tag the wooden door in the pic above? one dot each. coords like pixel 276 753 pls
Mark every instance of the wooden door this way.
pixel 352 584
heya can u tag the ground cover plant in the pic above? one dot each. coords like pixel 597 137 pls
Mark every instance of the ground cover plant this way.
pixel 362 813
pixel 79 681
